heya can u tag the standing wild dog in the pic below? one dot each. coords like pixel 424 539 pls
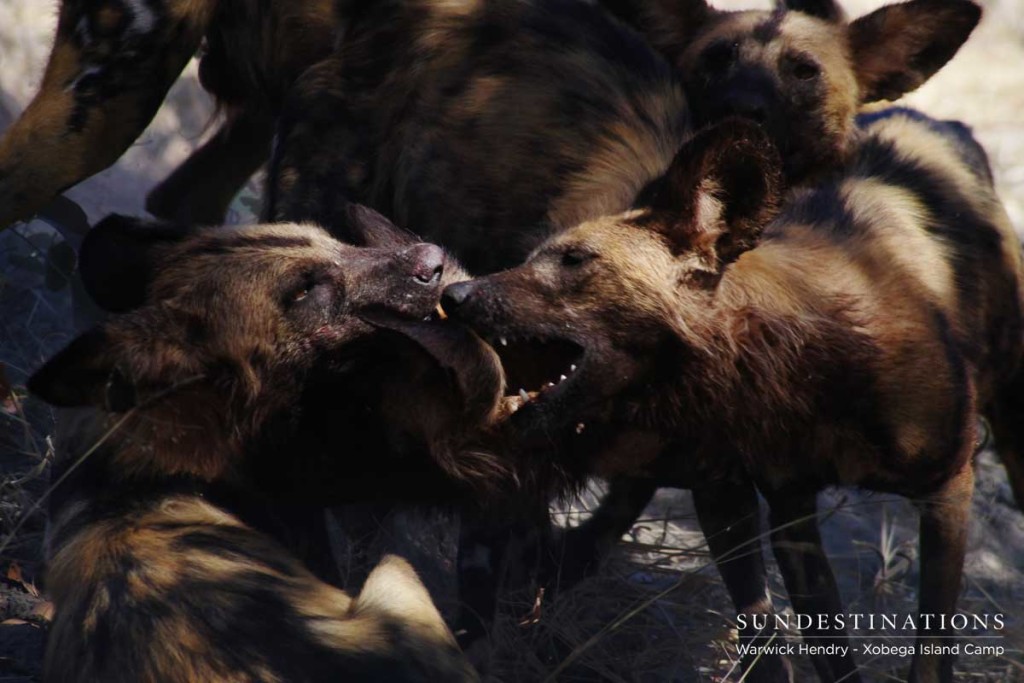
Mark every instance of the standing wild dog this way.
pixel 803 70
pixel 851 340
pixel 483 126
pixel 185 398
pixel 111 66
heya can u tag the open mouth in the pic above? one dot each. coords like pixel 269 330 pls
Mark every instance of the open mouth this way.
pixel 536 369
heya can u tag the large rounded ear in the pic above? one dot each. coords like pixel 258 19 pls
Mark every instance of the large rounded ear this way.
pixel 114 366
pixel 365 227
pixel 722 188
pixel 78 375
pixel 897 48
pixel 118 257
pixel 829 10
pixel 669 25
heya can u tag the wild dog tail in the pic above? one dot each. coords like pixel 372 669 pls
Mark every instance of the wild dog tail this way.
pixel 1007 420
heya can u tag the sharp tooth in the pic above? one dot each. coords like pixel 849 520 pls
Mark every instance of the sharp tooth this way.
pixel 523 395
pixel 504 342
pixel 580 427
pixel 572 368
pixel 513 407
pixel 551 384
pixel 561 378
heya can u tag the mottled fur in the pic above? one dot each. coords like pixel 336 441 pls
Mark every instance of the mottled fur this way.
pixel 483 126
pixel 853 342
pixel 111 66
pixel 203 382
pixel 801 70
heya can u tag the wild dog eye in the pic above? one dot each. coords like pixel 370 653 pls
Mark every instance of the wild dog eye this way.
pixel 576 257
pixel 802 68
pixel 300 292
pixel 719 55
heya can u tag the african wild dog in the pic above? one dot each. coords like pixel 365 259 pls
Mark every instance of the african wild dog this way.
pixel 111 65
pixel 802 70
pixel 483 126
pixel 852 339
pixel 191 400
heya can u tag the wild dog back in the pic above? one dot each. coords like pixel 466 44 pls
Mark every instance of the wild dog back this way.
pixel 802 70
pixel 172 588
pixel 482 126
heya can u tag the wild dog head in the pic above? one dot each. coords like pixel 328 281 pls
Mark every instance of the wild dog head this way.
pixel 596 308
pixel 223 330
pixel 802 70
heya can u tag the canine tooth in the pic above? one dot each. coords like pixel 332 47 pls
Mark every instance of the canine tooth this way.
pixel 440 313
pixel 561 378
pixel 523 395
pixel 572 368
pixel 580 427
pixel 504 342
pixel 551 384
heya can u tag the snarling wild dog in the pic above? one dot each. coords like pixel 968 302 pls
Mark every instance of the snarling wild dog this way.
pixel 802 70
pixel 851 340
pixel 111 65
pixel 191 401
pixel 483 126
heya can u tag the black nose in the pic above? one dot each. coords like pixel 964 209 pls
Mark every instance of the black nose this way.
pixel 456 295
pixel 426 263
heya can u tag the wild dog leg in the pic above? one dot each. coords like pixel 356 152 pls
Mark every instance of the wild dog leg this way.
pixel 577 553
pixel 729 516
pixel 1007 418
pixel 944 517
pixel 495 555
pixel 200 190
pixel 111 65
pixel 812 588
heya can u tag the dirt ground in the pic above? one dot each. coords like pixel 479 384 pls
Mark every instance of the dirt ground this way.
pixel 658 612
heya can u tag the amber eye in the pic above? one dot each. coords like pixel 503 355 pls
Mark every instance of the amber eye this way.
pixel 719 56
pixel 803 68
pixel 300 291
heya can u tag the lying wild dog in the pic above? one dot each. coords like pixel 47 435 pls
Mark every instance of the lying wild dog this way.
pixel 397 428
pixel 803 70
pixel 111 65
pixel 483 126
pixel 850 340
pixel 191 400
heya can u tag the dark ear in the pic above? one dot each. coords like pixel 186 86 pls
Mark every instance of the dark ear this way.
pixel 722 188
pixel 113 367
pixel 78 375
pixel 368 228
pixel 118 256
pixel 829 10
pixel 897 48
pixel 670 25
